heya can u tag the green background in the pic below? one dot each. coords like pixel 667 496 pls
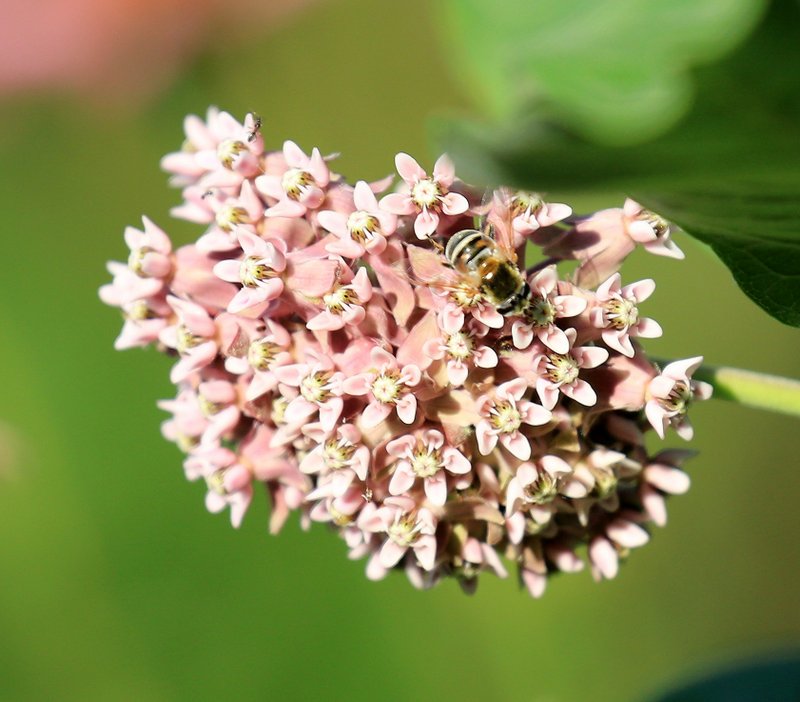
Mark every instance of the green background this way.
pixel 116 584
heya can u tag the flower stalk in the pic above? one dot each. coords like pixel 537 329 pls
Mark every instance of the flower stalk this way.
pixel 753 389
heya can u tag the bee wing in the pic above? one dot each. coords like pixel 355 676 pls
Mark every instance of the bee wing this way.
pixel 428 267
pixel 500 220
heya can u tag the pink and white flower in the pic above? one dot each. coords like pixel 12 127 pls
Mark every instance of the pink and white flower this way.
pixel 344 304
pixel 362 231
pixel 617 313
pixel 650 230
pixel 425 457
pixel 542 311
pixel 461 349
pixel 530 212
pixel 193 336
pixel 320 390
pixel 558 372
pixel 426 196
pixel 503 412
pixel 388 385
pixel 670 394
pixel 258 273
pixel 302 185
pixel 340 455
pixel 531 492
pixel 406 527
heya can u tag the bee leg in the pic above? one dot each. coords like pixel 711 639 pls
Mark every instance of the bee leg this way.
pixel 436 245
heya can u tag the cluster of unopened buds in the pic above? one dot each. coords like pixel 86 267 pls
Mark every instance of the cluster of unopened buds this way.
pixel 409 367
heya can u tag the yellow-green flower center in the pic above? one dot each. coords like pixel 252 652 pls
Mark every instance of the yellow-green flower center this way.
pixel 136 260
pixel 466 296
pixel 426 462
pixel 294 181
pixel 562 369
pixel 252 271
pixel 228 216
pixel 404 531
pixel 523 202
pixel 338 299
pixel 540 311
pixel 362 226
pixel 338 453
pixel 261 354
pixel 505 417
pixel 426 193
pixel 228 150
pixel 315 387
pixel 185 339
pixel 386 387
pixel 621 313
pixel 460 346
pixel 207 407
pixel 542 490
pixel 138 311
pixel 278 413
pixel 680 397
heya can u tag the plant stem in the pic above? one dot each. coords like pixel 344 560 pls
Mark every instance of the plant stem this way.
pixel 759 390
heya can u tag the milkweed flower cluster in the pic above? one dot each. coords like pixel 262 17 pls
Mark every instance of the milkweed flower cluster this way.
pixel 328 347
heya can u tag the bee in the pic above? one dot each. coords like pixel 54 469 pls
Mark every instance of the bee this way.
pixel 479 260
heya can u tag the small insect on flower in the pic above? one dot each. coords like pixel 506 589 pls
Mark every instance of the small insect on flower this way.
pixel 255 129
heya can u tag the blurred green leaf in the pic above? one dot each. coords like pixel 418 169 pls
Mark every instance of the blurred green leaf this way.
pixel 754 227
pixel 776 680
pixel 745 119
pixel 616 71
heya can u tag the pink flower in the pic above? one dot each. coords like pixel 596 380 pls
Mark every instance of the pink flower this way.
pixel 406 527
pixel 344 304
pixel 257 273
pixel 263 356
pixel 670 395
pixel 426 196
pixel 461 349
pixel 320 387
pixel 150 251
pixel 620 533
pixel 542 311
pixel 341 455
pixel 559 373
pixel 388 386
pixel 229 483
pixel 530 212
pixel 617 313
pixel 302 185
pixel 531 491
pixel 362 231
pixel 662 476
pixel 650 230
pixel 503 413
pixel 218 402
pixel 193 336
pixel 427 457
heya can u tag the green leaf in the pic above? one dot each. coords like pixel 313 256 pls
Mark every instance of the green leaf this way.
pixel 754 227
pixel 615 71
pixel 775 680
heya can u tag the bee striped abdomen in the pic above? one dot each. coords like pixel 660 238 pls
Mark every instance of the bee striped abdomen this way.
pixel 473 252
pixel 466 248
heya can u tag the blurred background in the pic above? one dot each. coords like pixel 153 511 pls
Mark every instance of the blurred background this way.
pixel 116 584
